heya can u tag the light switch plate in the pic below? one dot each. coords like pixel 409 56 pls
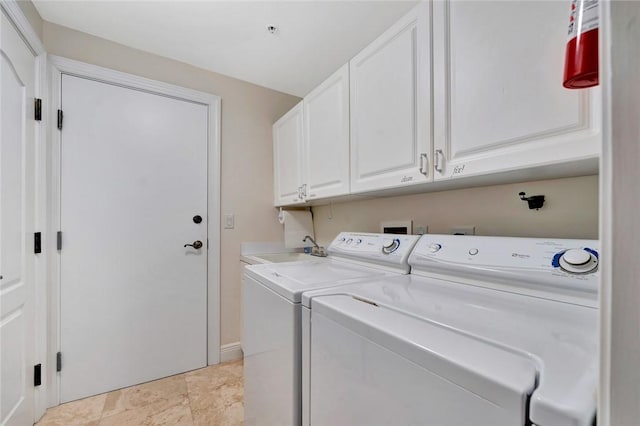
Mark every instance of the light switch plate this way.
pixel 229 221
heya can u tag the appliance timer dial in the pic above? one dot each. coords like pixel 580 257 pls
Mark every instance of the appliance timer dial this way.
pixel 578 261
pixel 434 247
pixel 390 245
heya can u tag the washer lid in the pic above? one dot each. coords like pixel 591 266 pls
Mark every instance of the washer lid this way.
pixel 291 279
pixel 502 377
pixel 559 339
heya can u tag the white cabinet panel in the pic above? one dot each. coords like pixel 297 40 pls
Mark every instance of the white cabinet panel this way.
pixel 390 106
pixel 498 95
pixel 288 157
pixel 326 141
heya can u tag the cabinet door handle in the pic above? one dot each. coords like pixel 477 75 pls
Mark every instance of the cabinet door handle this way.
pixel 424 164
pixel 436 164
pixel 304 190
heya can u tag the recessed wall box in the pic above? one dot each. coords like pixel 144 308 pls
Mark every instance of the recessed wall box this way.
pixel 404 227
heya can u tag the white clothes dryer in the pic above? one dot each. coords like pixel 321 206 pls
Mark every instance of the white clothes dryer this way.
pixel 484 331
pixel 271 316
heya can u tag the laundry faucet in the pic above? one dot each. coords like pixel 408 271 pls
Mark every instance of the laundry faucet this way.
pixel 316 250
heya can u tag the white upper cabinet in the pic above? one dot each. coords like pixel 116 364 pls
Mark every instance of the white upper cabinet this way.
pixel 390 83
pixel 498 95
pixel 288 157
pixel 326 138
pixel 479 93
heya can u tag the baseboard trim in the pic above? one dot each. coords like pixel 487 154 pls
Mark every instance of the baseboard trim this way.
pixel 231 352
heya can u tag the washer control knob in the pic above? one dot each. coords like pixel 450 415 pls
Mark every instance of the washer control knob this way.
pixel 350 240
pixel 390 245
pixel 359 241
pixel 434 247
pixel 473 251
pixel 578 261
pixel 576 257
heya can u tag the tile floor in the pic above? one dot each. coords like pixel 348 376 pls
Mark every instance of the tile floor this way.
pixel 210 396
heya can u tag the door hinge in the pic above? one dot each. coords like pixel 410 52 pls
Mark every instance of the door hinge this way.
pixel 37 242
pixel 60 115
pixel 59 240
pixel 37 109
pixel 59 362
pixel 37 375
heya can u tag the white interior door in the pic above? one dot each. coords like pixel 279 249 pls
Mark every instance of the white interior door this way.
pixel 133 176
pixel 17 330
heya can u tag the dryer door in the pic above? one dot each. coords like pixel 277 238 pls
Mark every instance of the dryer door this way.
pixel 377 366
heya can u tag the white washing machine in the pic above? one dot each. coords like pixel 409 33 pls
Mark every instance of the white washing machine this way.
pixel 484 331
pixel 271 316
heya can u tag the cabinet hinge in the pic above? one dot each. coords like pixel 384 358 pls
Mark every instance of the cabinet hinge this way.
pixel 37 375
pixel 60 116
pixel 59 362
pixel 59 240
pixel 37 109
pixel 37 242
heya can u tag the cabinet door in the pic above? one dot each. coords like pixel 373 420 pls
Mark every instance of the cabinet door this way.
pixel 326 137
pixel 287 157
pixel 390 88
pixel 499 104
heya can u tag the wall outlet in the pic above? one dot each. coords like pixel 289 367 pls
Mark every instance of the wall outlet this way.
pixel 463 230
pixel 229 221
pixel 421 229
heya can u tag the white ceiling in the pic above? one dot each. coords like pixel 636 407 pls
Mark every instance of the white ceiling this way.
pixel 314 38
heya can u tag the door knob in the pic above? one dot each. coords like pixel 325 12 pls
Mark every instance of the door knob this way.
pixel 196 244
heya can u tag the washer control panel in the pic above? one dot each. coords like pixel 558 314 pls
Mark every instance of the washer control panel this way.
pixel 556 263
pixel 387 249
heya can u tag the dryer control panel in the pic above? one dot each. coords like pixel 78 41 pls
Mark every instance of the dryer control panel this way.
pixel 390 250
pixel 552 266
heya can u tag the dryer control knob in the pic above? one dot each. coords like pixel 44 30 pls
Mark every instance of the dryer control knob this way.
pixel 389 245
pixel 576 257
pixel 578 261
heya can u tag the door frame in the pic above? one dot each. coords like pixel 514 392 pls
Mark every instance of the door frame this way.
pixel 59 66
pixel 31 38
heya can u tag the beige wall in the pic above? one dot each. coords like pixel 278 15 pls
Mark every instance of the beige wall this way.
pixel 248 111
pixel 570 211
